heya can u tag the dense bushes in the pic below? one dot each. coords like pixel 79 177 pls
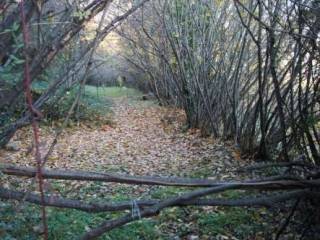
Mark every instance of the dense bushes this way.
pixel 242 71
pixel 90 107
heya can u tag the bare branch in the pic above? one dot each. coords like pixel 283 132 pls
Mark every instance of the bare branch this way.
pixel 164 181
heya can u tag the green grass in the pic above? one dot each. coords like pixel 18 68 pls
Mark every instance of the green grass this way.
pixel 67 224
pixel 70 224
pixel 238 222
pixel 112 92
pixel 96 103
pixel 94 106
pixel 172 222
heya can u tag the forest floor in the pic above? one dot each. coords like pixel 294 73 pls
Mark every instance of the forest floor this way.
pixel 141 138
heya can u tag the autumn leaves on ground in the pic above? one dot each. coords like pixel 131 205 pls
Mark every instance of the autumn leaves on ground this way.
pixel 138 138
pixel 142 138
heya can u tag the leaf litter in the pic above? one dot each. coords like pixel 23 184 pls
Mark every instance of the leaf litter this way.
pixel 143 139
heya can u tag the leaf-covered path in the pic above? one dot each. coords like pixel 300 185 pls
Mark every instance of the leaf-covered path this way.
pixel 145 139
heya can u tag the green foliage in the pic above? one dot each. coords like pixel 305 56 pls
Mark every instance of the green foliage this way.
pixel 65 224
pixel 172 222
pixel 237 221
pixel 39 87
pixel 164 192
pixel 11 73
pixel 17 225
pixel 90 107
pixel 80 15
pixel 202 172
pixel 70 224
pixel 312 120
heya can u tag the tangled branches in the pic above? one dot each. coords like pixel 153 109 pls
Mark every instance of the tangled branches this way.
pixel 280 188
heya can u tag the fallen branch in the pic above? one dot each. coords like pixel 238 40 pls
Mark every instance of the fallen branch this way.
pixel 155 210
pixel 273 183
pixel 148 208
pixel 52 201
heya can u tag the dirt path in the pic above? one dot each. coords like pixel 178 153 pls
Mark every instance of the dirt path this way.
pixel 145 140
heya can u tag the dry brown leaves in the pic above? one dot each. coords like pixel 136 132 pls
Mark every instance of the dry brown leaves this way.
pixel 146 140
